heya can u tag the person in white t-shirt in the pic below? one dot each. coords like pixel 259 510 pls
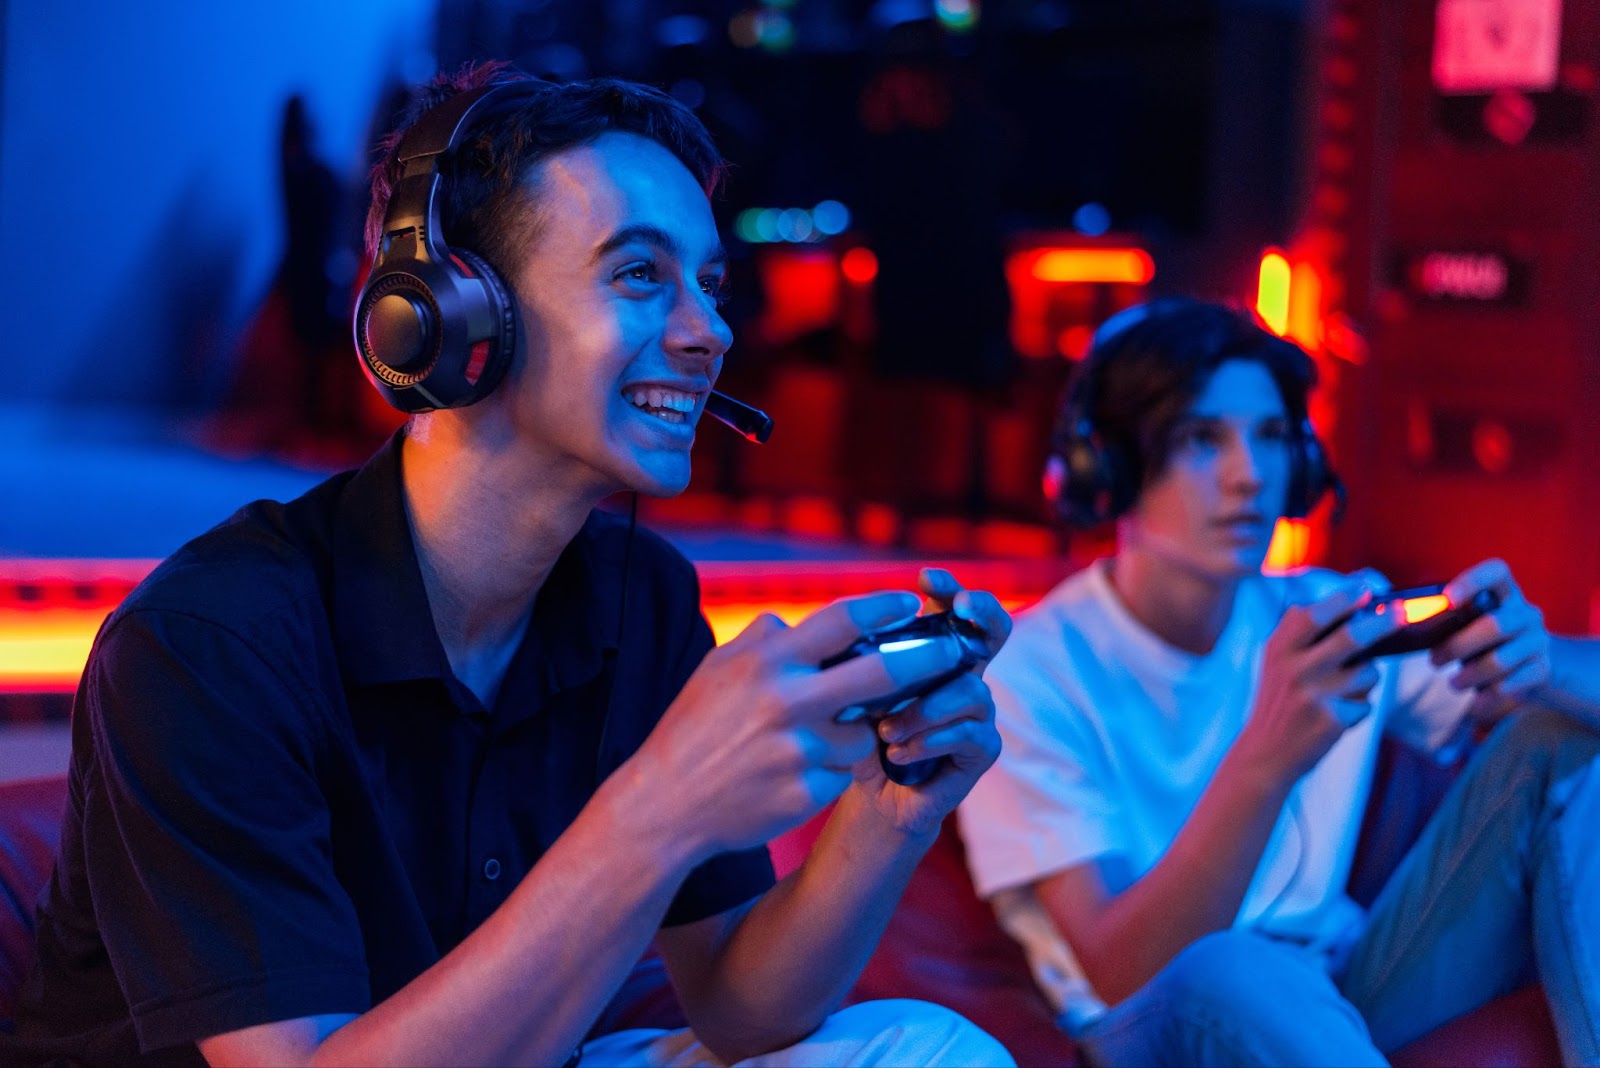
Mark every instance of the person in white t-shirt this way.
pixel 1171 824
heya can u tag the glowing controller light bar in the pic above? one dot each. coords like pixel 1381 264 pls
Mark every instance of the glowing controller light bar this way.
pixel 1419 608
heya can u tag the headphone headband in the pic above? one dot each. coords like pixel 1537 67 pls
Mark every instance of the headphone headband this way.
pixel 441 128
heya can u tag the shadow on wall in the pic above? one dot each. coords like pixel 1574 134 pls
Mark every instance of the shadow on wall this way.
pixel 188 273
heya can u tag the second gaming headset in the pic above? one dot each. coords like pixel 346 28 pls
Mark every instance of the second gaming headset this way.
pixel 435 327
pixel 1091 479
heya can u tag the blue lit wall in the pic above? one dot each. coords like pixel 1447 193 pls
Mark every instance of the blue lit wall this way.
pixel 139 177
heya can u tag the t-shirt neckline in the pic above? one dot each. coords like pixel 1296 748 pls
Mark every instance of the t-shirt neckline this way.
pixel 1157 652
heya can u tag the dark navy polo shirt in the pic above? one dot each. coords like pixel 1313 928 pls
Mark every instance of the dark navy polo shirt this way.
pixel 282 801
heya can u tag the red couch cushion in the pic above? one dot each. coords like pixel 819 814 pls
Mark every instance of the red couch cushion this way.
pixel 943 945
pixel 1515 1031
pixel 30 828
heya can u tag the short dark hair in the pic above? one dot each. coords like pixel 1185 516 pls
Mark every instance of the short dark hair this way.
pixel 1149 363
pixel 489 206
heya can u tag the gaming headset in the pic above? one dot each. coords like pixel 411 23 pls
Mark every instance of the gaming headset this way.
pixel 434 326
pixel 1090 479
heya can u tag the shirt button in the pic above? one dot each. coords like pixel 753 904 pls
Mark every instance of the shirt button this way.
pixel 491 869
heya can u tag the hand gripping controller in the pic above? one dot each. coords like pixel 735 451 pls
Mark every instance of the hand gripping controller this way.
pixel 919 631
pixel 1428 618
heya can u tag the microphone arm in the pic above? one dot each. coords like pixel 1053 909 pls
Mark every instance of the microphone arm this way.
pixel 752 424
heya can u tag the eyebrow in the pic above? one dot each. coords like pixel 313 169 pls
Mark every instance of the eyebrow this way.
pixel 644 233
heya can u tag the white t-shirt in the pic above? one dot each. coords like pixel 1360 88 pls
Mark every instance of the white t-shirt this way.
pixel 1111 735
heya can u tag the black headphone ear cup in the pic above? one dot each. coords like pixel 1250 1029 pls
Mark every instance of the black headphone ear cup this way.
pixel 484 368
pixel 397 333
pixel 1087 478
pixel 1294 495
pixel 435 334
pixel 1311 477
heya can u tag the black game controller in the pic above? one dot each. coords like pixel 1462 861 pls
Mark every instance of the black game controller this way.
pixel 1429 618
pixel 919 631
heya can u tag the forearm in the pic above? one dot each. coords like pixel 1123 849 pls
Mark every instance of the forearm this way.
pixel 796 954
pixel 527 985
pixel 1194 890
pixel 1574 686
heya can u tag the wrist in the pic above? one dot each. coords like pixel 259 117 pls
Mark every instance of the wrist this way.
pixel 857 808
pixel 1258 769
pixel 641 817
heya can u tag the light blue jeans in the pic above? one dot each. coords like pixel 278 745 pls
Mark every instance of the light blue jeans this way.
pixel 1504 880
pixel 874 1034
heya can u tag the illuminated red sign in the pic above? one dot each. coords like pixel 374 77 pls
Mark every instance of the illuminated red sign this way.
pixel 1456 276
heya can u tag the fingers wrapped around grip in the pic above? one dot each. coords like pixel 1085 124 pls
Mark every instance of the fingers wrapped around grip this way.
pixel 965 697
pixel 957 720
pixel 830 630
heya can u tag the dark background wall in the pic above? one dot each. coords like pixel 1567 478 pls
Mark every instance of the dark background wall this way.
pixel 139 177
pixel 1471 429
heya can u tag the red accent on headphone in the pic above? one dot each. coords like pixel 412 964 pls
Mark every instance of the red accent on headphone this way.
pixel 475 362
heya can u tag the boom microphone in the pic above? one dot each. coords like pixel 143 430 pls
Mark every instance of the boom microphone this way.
pixel 752 424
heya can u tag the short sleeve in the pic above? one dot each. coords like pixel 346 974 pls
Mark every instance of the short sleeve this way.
pixel 206 835
pixel 1044 806
pixel 727 880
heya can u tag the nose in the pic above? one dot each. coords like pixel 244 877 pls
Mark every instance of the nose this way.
pixel 696 331
pixel 1244 467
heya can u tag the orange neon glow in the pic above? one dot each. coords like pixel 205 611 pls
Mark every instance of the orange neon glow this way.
pixel 1272 291
pixel 49 613
pixel 1290 546
pixel 1060 290
pixel 859 265
pixel 1304 319
pixel 1419 608
pixel 1128 266
pixel 46 654
pixel 727 620
pixel 44 651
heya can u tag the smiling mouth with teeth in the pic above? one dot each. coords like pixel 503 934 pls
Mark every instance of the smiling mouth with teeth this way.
pixel 668 405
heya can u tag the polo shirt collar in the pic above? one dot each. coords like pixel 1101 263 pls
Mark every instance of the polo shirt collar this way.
pixel 575 620
pixel 382 623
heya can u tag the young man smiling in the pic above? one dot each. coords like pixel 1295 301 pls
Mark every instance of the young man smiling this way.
pixel 1187 756
pixel 412 769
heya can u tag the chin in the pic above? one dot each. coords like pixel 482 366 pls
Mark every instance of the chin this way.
pixel 1250 564
pixel 661 480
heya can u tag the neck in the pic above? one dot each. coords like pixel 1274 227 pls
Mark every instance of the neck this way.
pixel 489 523
pixel 1184 608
